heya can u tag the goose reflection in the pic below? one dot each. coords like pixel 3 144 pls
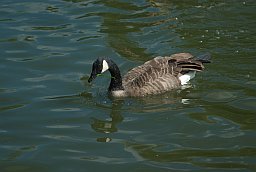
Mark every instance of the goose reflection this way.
pixel 105 126
pixel 109 126
pixel 150 105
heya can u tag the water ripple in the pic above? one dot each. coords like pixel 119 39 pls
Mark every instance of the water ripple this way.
pixel 62 138
pixel 61 126
pixel 245 104
pixel 11 107
pixel 66 109
pixel 70 77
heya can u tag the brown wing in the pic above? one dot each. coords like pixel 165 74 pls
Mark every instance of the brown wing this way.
pixel 160 74
pixel 146 72
pixel 155 68
pixel 181 56
pixel 159 85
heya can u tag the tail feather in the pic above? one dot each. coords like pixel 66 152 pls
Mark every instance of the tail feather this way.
pixel 193 68
pixel 191 65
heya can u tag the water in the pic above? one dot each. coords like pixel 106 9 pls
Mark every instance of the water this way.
pixel 51 119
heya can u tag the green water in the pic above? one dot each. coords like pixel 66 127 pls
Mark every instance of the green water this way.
pixel 51 119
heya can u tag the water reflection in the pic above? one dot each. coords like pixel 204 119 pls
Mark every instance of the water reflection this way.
pixel 19 151
pixel 117 31
pixel 125 23
pixel 151 104
pixel 210 158
pixel 109 126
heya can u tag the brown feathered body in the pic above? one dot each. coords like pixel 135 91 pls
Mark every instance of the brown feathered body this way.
pixel 156 76
pixel 160 74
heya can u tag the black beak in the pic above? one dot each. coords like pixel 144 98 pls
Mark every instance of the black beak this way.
pixel 92 77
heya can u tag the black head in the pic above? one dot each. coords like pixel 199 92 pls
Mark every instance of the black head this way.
pixel 99 66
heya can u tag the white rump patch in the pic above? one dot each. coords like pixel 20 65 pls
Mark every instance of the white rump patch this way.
pixel 185 101
pixel 118 93
pixel 104 66
pixel 187 77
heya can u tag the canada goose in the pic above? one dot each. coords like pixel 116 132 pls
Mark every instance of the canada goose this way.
pixel 155 76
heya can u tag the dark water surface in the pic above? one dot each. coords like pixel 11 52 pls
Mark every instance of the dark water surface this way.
pixel 51 119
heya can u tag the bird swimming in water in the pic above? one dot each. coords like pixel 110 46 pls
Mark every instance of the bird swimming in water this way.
pixel 155 76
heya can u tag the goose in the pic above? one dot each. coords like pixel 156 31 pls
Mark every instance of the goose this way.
pixel 155 76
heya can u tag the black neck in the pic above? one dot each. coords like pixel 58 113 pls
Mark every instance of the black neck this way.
pixel 116 78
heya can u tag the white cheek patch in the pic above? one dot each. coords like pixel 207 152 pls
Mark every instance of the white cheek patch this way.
pixel 104 66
